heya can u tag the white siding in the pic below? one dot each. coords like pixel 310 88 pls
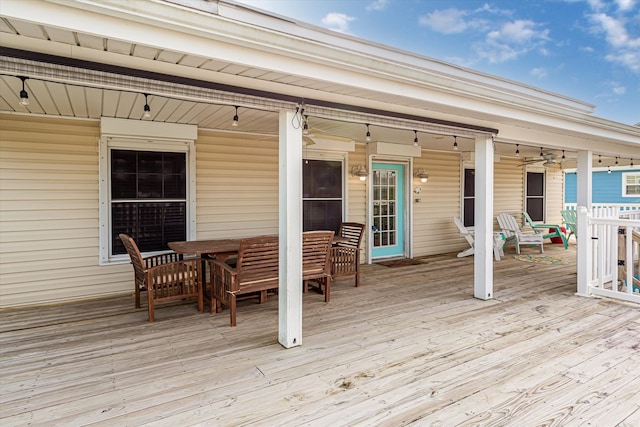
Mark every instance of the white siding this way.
pixel 509 188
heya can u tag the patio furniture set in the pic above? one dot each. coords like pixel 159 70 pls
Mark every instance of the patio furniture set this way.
pixel 240 267
pixel 511 234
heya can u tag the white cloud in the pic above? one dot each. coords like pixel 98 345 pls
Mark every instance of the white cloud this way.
pixel 377 5
pixel 448 21
pixel 624 49
pixel 512 40
pixel 338 21
pixel 539 72
pixel 619 90
pixel 626 4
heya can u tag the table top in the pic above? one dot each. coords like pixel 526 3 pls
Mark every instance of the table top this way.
pixel 199 247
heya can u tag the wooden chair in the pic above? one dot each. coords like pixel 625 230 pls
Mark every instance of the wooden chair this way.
pixel 166 277
pixel 547 230
pixel 569 218
pixel 316 265
pixel 345 256
pixel 513 234
pixel 468 235
pixel 256 270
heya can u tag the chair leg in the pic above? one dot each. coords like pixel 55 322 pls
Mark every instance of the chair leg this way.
pixel 327 288
pixel 151 307
pixel 232 309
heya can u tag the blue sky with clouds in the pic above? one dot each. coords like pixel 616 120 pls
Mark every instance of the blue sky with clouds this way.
pixel 584 49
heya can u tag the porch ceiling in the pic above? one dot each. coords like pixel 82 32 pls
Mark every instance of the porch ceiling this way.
pixel 62 98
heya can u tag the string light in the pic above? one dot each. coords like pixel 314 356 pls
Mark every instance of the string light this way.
pixel 368 137
pixel 415 140
pixel 24 96
pixel 541 153
pixel 616 160
pixel 147 109
pixel 599 159
pixel 234 123
pixel 455 143
pixel 517 150
pixel 563 157
pixel 305 126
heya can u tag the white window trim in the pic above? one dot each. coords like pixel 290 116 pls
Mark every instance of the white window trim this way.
pixel 333 156
pixel 624 183
pixel 135 135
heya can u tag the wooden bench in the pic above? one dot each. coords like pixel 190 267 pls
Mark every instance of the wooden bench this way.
pixel 257 269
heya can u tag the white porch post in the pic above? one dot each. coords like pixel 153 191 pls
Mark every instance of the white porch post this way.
pixel 583 207
pixel 483 259
pixel 290 228
pixel 583 250
pixel 583 188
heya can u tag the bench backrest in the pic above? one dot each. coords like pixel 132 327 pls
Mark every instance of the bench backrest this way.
pixel 315 254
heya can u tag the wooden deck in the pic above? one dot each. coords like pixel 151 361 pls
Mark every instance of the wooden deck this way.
pixel 410 346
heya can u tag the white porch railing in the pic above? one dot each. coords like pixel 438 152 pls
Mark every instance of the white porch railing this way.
pixel 608 249
pixel 626 210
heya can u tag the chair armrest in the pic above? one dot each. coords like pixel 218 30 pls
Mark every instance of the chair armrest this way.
pixel 224 279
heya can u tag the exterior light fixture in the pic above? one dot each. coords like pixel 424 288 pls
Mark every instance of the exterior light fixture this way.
pixel 422 174
pixel 415 140
pixel 24 96
pixel 455 143
pixel 147 109
pixel 360 171
pixel 368 137
pixel 234 123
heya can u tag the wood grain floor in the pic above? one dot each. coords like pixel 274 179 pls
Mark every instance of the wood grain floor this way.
pixel 410 346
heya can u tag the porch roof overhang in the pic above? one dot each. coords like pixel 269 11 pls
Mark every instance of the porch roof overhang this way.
pixel 343 79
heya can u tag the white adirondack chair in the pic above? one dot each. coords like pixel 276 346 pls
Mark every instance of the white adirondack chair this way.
pixel 513 234
pixel 468 235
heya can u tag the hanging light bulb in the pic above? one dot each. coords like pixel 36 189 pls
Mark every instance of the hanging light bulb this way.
pixel 415 140
pixel 609 169
pixel 147 109
pixel 541 154
pixel 517 150
pixel 616 160
pixel 631 164
pixel 563 157
pixel 24 96
pixel 455 142
pixel 234 123
pixel 305 126
pixel 368 137
pixel 599 159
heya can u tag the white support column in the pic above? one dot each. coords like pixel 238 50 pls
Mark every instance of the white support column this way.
pixel 584 177
pixel 483 258
pixel 584 247
pixel 290 226
pixel 584 253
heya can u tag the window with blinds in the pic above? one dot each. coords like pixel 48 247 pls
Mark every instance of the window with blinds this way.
pixel 148 198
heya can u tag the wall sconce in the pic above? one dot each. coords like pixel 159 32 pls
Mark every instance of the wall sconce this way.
pixel 422 174
pixel 360 171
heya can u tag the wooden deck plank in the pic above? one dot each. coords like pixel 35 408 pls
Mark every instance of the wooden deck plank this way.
pixel 409 345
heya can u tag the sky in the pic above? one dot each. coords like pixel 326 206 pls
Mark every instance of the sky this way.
pixel 588 50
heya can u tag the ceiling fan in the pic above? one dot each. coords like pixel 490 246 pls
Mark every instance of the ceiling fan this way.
pixel 548 160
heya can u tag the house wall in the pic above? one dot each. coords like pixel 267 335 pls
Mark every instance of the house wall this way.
pixel 49 203
pixel 606 187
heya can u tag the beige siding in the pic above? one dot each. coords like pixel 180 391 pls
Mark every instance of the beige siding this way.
pixel 236 185
pixel 508 188
pixel 433 227
pixel 49 213
pixel 554 197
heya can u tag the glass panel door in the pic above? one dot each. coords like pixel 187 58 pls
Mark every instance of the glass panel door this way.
pixel 387 210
